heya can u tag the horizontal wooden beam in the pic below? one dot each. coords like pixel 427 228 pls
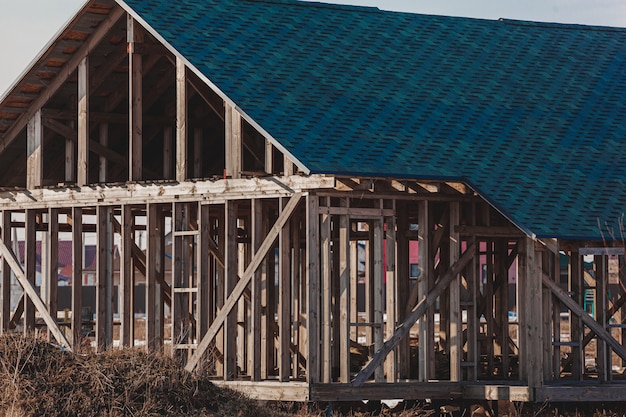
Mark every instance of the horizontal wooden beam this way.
pixel 489 231
pixel 210 192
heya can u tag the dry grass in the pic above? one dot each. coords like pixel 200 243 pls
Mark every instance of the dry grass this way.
pixel 37 378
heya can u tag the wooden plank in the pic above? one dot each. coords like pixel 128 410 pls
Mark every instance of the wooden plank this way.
pixel 243 281
pixel 456 326
pixel 204 283
pixel 284 300
pixel 181 120
pixel 419 310
pixel 344 295
pixel 403 283
pixel 31 292
pixel 59 81
pixel 532 332
pixel 425 271
pixel 135 105
pixel 382 391
pixel 5 297
pixel 126 303
pixel 391 289
pixel 547 317
pixel 83 123
pixel 209 191
pixel 30 268
pixel 153 252
pixel 230 282
pixel 489 231
pixel 34 152
pixel 326 292
pixel 167 152
pixel 256 291
pixel 377 293
pixel 233 138
pixel 583 393
pixel 576 288
pixel 603 355
pixel 104 278
pixel 269 157
pixel 77 276
pixel 269 390
pixel 313 288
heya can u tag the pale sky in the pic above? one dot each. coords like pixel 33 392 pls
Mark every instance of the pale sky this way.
pixel 26 26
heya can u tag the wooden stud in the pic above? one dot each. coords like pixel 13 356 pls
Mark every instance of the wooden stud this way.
pixel 167 152
pixel 256 290
pixel 34 152
pixel 126 277
pixel 230 273
pixel 547 319
pixel 455 337
pixel 344 295
pixel 181 120
pixel 269 157
pixel 135 106
pixel 325 263
pixel 403 285
pixel 603 355
pixel 104 279
pixel 425 271
pixel 204 283
pixel 531 274
pixel 391 289
pixel 83 123
pixel 154 254
pixel 77 276
pixel 5 297
pixel 576 288
pixel 30 271
pixel 378 277
pixel 233 138
pixel 284 300
pixel 313 288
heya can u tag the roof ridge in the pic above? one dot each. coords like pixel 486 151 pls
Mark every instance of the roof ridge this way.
pixel 320 5
pixel 557 25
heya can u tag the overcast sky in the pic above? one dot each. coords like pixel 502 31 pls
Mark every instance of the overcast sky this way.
pixel 26 26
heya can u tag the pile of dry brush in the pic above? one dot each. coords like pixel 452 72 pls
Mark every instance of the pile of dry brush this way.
pixel 37 379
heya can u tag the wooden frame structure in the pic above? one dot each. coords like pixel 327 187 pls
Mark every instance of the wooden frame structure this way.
pixel 278 277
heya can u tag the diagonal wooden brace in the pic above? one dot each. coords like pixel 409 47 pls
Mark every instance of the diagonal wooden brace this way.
pixel 243 282
pixel 30 291
pixel 417 312
pixel 585 317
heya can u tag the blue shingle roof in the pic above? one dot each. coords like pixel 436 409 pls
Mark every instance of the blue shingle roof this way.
pixel 531 115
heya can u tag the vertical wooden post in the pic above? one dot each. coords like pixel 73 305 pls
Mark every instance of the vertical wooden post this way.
pixel 6 274
pixel 104 279
pixel 354 285
pixel 269 157
pixel 391 285
pixel 256 290
pixel 181 120
pixel 230 273
pixel 403 272
pixel 472 277
pixel 135 94
pixel 284 299
pixel 547 317
pixel 126 277
pixel 325 262
pixel 502 305
pixel 34 151
pixel 287 166
pixel 313 287
pixel 379 273
pixel 77 276
pixel 104 141
pixel 153 252
pixel 204 284
pixel 83 123
pixel 603 356
pixel 577 289
pixel 530 272
pixel 425 270
pixel 233 138
pixel 30 242
pixel 456 334
pixel 344 295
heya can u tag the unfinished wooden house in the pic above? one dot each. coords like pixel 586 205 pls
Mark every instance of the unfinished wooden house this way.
pixel 292 153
